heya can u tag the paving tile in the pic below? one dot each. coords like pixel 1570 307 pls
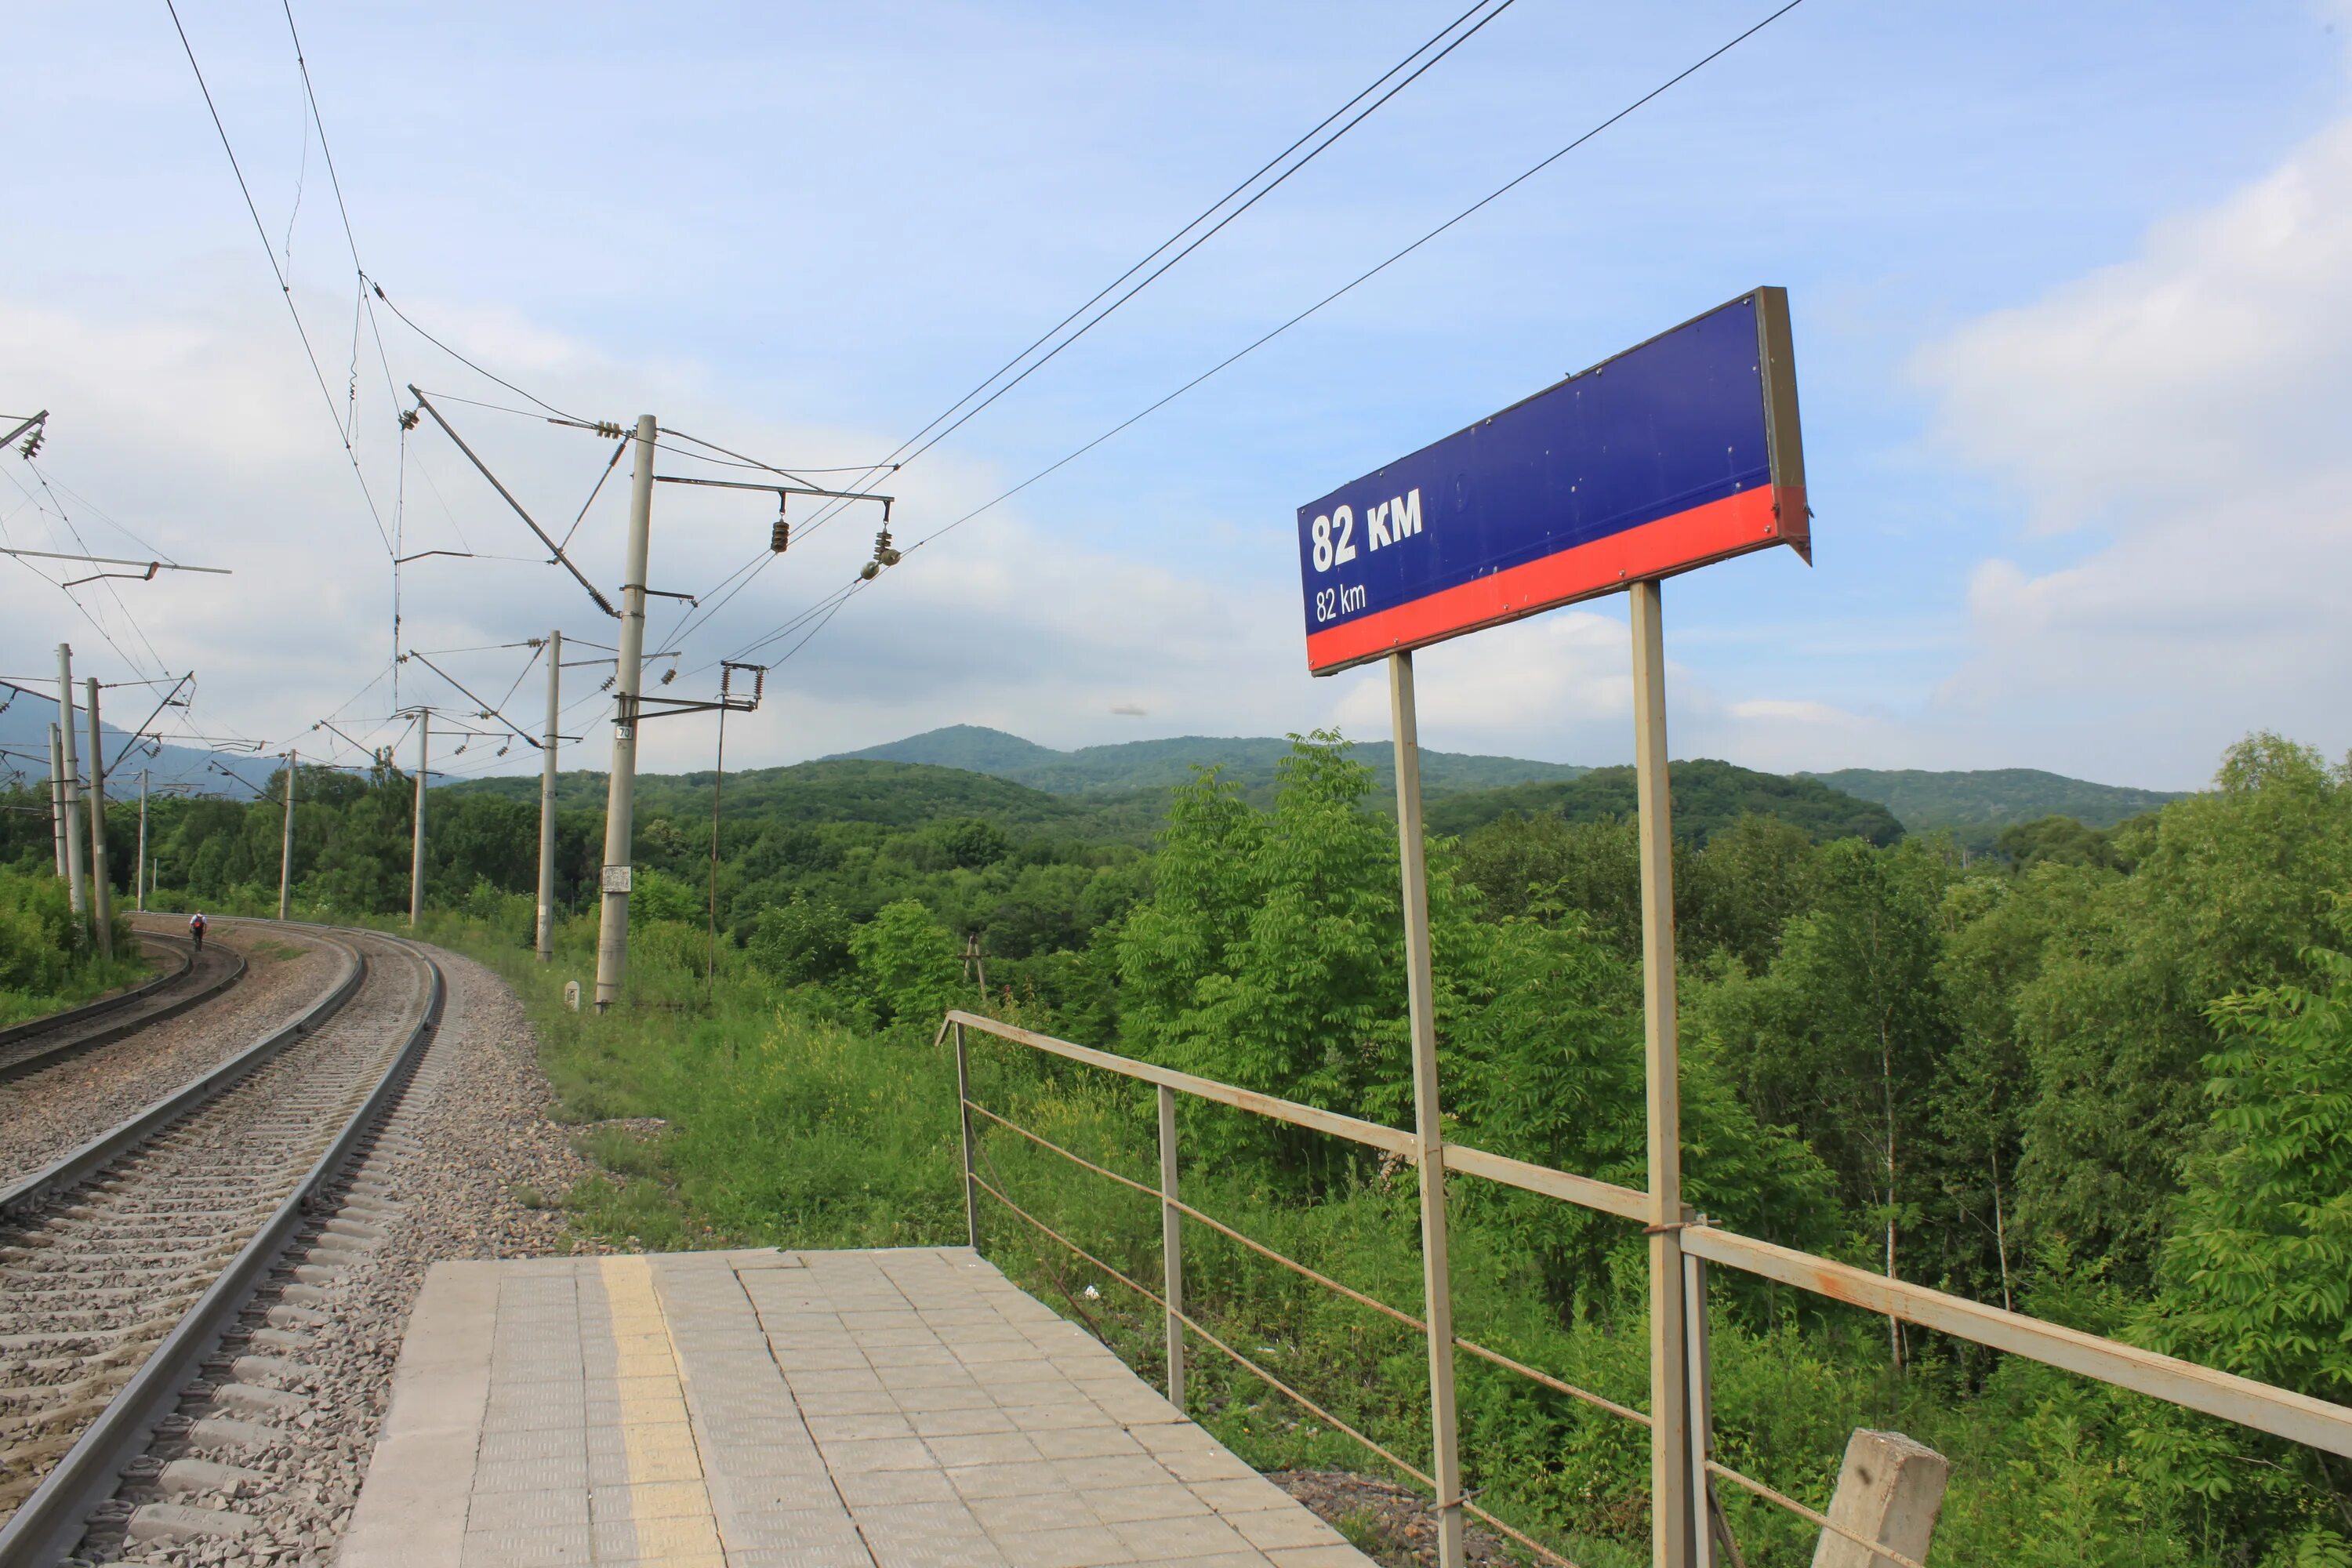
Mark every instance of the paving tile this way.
pixel 1267 1529
pixel 879 1454
pixel 547 1510
pixel 1008 1480
pixel 1315 1557
pixel 1242 1496
pixel 876 1488
pixel 983 1448
pixel 1035 1510
pixel 532 1548
pixel 649 1500
pixel 659 1540
pixel 1127 1504
pixel 1193 1535
pixel 1079 1546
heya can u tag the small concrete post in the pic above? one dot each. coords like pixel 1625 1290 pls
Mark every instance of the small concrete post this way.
pixel 1889 1491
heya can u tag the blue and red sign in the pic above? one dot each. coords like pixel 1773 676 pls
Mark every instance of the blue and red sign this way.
pixel 1677 453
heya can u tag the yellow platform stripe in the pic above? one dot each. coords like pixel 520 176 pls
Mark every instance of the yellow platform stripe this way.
pixel 669 1510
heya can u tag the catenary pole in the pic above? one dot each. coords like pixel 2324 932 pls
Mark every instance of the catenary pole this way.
pixel 620 799
pixel 1673 1533
pixel 75 895
pixel 58 797
pixel 1429 1132
pixel 286 840
pixel 102 887
pixel 416 833
pixel 139 871
pixel 546 929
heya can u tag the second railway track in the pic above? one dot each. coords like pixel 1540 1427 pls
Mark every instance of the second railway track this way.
pixel 194 978
pixel 114 1264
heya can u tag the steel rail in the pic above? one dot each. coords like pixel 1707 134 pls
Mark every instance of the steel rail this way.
pixel 72 1168
pixel 50 1523
pixel 71 1016
pixel 24 1067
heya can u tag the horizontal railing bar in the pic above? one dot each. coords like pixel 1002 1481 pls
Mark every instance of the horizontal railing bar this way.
pixel 1188 1321
pixel 2278 1411
pixel 1222 1228
pixel 1818 1520
pixel 1582 1191
pixel 1390 1139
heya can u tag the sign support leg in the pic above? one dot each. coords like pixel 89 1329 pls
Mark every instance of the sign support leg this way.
pixel 1672 1533
pixel 1428 1130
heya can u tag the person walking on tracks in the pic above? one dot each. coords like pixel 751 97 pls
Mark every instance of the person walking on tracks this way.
pixel 196 930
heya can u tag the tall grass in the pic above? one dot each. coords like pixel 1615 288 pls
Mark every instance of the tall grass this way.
pixel 790 1125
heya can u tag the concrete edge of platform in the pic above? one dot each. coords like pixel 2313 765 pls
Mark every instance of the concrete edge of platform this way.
pixel 424 1453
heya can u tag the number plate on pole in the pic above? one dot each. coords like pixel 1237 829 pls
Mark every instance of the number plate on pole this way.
pixel 616 879
pixel 1679 452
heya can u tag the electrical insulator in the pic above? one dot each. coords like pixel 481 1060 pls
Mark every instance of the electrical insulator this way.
pixel 408 418
pixel 883 551
pixel 608 429
pixel 780 535
pixel 670 674
pixel 868 571
pixel 32 444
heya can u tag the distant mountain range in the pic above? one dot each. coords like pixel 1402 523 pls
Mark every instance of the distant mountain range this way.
pixel 1973 804
pixel 1157 764
pixel 27 713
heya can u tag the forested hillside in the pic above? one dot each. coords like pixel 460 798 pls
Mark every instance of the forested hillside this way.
pixel 1708 796
pixel 1132 765
pixel 2099 1077
pixel 1975 806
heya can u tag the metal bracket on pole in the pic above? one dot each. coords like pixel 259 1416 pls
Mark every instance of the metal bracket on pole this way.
pixel 554 550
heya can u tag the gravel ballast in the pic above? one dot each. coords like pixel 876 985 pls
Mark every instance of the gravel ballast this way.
pixel 267 1460
pixel 50 1115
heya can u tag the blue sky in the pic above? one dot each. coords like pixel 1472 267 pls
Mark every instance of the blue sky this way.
pixel 2039 256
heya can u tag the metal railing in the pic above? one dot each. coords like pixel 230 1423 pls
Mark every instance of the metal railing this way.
pixel 2278 1412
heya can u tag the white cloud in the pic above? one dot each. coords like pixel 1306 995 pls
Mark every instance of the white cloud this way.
pixel 2186 410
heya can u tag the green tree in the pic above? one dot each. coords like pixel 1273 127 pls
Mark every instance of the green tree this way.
pixel 909 967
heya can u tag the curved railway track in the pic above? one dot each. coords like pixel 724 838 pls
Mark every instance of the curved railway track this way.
pixel 123 1262
pixel 194 978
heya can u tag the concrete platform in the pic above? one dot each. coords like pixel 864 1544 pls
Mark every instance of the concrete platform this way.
pixel 885 1410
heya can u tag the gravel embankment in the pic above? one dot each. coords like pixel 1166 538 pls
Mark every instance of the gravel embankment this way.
pixel 61 1109
pixel 457 1174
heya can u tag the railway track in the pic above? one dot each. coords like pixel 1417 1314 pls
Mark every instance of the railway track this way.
pixel 194 978
pixel 123 1264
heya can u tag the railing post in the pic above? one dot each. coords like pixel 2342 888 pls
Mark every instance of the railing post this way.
pixel 1672 1515
pixel 1702 1410
pixel 963 1114
pixel 1429 1128
pixel 1172 1246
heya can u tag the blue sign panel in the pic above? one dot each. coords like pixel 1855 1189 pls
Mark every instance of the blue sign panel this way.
pixel 1682 451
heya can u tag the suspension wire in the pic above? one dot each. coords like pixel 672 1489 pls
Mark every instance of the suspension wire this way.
pixel 826 512
pixel 285 289
pixel 1361 279
pixel 393 305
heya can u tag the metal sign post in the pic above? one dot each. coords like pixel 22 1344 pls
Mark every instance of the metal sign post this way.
pixel 1429 1130
pixel 1682 451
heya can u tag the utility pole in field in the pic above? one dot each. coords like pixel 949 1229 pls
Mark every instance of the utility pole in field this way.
pixel 101 888
pixel 546 932
pixel 416 846
pixel 620 796
pixel 139 871
pixel 75 896
pixel 58 797
pixel 286 844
